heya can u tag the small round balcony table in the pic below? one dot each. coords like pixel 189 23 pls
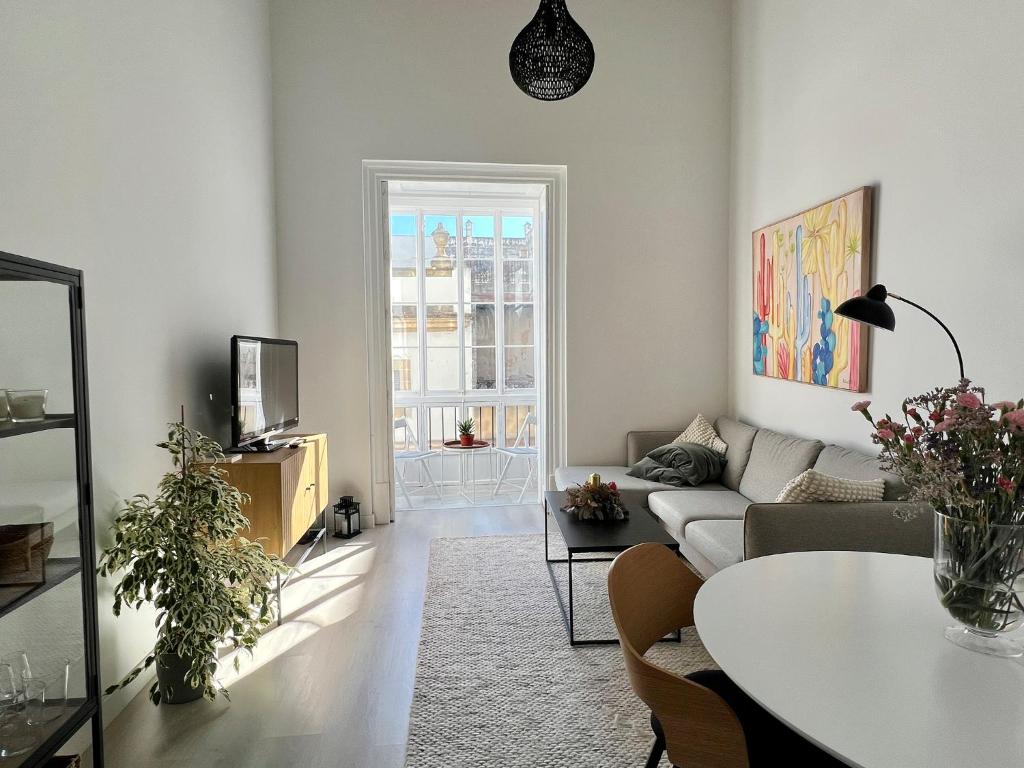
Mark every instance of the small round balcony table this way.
pixel 467 464
pixel 847 648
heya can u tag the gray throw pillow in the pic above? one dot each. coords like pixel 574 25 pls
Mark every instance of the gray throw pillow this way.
pixel 679 464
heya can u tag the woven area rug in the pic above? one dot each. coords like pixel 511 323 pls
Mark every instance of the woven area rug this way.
pixel 497 682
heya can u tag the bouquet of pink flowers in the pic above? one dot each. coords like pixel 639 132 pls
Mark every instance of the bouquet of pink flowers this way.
pixel 957 452
pixel 965 458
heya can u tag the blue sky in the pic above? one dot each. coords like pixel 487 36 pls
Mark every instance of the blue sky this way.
pixel 483 226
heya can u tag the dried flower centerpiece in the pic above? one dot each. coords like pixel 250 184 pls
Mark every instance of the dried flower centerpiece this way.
pixel 594 500
pixel 965 458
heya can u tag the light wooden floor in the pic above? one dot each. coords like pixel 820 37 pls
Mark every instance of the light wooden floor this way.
pixel 331 688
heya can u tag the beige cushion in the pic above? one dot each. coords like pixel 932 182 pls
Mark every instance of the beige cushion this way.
pixel 701 432
pixel 720 541
pixel 842 462
pixel 740 438
pixel 813 486
pixel 681 506
pixel 775 459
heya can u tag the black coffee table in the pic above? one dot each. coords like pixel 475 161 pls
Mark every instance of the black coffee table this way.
pixel 589 537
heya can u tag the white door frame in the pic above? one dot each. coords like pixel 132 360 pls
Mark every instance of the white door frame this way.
pixel 376 175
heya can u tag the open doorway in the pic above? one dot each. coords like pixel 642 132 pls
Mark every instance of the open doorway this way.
pixel 466 278
pixel 465 322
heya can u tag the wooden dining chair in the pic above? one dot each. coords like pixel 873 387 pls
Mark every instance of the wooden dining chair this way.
pixel 703 719
pixel 652 592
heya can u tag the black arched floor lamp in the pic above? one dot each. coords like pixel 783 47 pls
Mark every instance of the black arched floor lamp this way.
pixel 872 310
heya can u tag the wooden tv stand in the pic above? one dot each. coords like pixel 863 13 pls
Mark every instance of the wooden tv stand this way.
pixel 288 490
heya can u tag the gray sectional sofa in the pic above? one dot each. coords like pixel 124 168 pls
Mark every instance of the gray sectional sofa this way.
pixel 719 524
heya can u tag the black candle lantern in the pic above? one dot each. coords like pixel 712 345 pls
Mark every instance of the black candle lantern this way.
pixel 348 508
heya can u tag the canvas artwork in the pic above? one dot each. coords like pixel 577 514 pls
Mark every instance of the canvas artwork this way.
pixel 804 267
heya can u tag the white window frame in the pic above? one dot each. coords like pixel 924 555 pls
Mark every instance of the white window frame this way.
pixel 422 209
pixel 551 375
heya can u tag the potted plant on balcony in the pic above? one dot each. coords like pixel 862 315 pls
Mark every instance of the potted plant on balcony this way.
pixel 466 436
pixel 181 552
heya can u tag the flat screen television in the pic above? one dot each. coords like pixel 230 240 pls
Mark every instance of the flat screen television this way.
pixel 264 389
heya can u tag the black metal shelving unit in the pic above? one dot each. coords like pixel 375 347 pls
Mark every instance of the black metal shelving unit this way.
pixel 59 570
pixel 52 421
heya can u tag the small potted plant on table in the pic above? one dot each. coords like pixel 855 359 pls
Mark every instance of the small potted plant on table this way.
pixel 466 436
pixel 181 552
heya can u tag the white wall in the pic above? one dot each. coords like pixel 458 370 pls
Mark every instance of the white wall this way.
pixel 646 145
pixel 923 100
pixel 136 145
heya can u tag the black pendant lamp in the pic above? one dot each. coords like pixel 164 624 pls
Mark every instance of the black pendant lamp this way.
pixel 552 58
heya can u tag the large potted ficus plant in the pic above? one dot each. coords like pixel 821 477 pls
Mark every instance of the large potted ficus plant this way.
pixel 181 552
pixel 965 458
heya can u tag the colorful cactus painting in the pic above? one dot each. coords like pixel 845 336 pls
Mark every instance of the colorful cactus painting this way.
pixel 804 267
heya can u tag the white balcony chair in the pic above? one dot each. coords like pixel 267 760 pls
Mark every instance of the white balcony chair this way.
pixel 518 450
pixel 413 455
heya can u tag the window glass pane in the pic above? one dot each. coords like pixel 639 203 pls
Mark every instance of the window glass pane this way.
pixel 517 237
pixel 406 431
pixel 515 418
pixel 519 323
pixel 442 325
pixel 404 289
pixel 403 244
pixel 403 257
pixel 478 280
pixel 519 368
pixel 443 368
pixel 439 248
pixel 479 325
pixel 405 369
pixel 403 325
pixel 481 371
pixel 442 420
pixel 518 280
pixel 484 417
pixel 478 237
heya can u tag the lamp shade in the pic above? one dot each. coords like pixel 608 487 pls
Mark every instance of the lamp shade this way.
pixel 870 308
pixel 552 57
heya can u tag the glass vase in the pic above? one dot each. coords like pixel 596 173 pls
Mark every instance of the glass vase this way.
pixel 979 577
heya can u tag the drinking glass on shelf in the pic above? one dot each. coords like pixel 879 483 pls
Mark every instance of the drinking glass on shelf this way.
pixel 15 738
pixel 10 692
pixel 46 694
pixel 20 669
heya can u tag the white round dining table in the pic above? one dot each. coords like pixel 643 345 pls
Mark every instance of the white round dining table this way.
pixel 847 649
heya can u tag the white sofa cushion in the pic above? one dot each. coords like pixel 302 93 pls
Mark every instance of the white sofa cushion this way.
pixel 701 432
pixel 740 438
pixel 842 462
pixel 720 541
pixel 775 459
pixel 710 501
pixel 813 486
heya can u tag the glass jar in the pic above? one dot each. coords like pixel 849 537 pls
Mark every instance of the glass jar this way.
pixel 979 578
pixel 26 405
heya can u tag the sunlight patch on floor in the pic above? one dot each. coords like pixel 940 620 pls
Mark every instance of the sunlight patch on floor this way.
pixel 325 590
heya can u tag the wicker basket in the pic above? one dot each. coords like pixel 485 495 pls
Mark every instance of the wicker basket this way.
pixel 23 553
